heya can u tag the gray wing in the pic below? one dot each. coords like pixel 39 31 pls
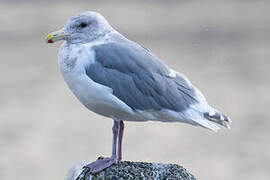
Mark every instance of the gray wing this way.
pixel 139 79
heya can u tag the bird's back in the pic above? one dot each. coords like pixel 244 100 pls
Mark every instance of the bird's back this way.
pixel 139 78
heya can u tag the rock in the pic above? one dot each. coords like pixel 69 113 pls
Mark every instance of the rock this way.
pixel 131 170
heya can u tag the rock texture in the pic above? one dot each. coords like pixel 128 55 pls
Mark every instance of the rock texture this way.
pixel 132 170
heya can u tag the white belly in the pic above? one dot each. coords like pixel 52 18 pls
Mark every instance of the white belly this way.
pixel 97 98
pixel 94 96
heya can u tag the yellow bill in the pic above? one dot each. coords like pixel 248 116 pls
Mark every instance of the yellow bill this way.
pixel 55 36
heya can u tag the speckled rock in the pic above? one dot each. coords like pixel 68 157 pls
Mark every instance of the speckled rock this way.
pixel 133 170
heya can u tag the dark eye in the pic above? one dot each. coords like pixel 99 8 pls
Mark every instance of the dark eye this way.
pixel 83 25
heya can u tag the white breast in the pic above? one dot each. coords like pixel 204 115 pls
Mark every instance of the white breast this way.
pixel 73 59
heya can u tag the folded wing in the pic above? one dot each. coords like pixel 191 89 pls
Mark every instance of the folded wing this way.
pixel 139 78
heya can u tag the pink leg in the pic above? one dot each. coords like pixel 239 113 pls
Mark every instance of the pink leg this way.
pixel 115 130
pixel 120 139
pixel 102 163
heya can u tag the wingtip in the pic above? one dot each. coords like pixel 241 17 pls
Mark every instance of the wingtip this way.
pixel 228 120
pixel 227 125
pixel 218 118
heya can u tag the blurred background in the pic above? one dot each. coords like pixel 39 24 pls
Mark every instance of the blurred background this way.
pixel 223 46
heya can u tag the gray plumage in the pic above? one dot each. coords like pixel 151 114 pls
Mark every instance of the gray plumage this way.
pixel 138 78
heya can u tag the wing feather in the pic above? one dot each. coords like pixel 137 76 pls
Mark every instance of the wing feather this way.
pixel 140 79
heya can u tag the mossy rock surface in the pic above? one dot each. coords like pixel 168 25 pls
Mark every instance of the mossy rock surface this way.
pixel 138 171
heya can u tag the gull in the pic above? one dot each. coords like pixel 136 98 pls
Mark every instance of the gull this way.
pixel 120 79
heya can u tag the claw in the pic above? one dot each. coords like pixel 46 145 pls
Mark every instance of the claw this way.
pixel 100 157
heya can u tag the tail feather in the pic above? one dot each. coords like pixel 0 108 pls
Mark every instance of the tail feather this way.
pixel 207 124
pixel 218 118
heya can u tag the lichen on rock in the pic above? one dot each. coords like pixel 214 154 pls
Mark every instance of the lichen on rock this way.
pixel 132 170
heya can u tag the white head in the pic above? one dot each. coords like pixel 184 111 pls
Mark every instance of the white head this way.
pixel 82 28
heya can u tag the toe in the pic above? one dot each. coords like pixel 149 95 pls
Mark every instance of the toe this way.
pixel 100 165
